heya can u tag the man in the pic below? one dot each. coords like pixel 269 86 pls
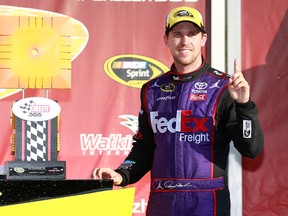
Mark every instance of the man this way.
pixel 187 119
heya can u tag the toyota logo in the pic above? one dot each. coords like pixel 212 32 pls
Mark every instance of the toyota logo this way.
pixel 201 85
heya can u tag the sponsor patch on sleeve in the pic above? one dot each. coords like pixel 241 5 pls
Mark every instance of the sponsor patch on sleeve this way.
pixel 127 164
pixel 247 128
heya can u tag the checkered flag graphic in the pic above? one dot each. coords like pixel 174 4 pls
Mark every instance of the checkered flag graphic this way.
pixel 36 141
pixel 26 106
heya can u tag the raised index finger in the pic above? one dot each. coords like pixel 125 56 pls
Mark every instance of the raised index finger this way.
pixel 235 65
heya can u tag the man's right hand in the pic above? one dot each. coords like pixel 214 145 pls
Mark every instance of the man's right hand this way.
pixel 107 173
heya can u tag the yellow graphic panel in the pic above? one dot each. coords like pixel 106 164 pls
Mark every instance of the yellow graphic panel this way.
pixel 37 48
pixel 106 203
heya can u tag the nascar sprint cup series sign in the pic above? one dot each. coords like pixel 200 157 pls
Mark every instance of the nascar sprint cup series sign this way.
pixel 36 109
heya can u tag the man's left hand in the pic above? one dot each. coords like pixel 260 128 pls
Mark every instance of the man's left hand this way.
pixel 238 86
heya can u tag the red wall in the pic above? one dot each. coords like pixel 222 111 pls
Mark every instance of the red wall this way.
pixel 264 58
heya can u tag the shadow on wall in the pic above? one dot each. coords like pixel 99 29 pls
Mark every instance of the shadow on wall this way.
pixel 269 87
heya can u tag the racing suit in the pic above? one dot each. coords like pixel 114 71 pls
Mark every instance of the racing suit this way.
pixel 186 123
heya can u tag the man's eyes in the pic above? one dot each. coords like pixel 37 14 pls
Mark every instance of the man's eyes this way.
pixel 190 34
pixel 176 35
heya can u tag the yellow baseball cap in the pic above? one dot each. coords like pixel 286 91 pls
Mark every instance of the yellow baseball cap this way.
pixel 184 13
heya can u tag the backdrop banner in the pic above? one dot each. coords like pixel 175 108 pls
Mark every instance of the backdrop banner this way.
pixel 116 47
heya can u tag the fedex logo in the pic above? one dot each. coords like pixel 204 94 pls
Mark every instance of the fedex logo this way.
pixel 182 122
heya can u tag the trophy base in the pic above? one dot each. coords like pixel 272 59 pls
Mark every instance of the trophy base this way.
pixel 36 170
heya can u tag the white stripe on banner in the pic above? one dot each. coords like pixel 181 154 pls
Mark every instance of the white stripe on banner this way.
pixel 222 13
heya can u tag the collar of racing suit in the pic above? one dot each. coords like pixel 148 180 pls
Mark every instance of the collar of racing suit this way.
pixel 176 76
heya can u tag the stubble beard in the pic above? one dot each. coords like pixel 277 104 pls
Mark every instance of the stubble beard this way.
pixel 184 61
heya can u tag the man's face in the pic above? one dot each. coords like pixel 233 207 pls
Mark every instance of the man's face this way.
pixel 185 41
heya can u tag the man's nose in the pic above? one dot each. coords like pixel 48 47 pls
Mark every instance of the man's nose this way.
pixel 185 39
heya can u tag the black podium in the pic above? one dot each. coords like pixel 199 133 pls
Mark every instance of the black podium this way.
pixel 21 191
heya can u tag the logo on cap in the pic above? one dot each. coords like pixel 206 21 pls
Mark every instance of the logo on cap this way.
pixel 183 13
